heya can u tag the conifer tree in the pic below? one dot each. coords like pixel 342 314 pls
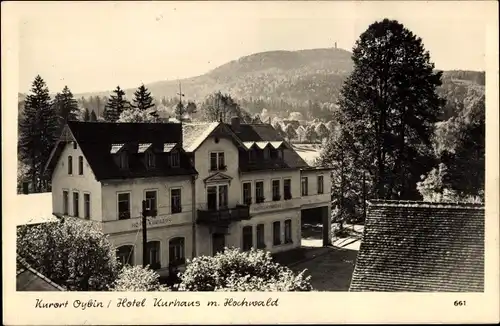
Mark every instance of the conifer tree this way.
pixel 86 115
pixel 142 98
pixel 66 106
pixel 115 106
pixel 93 116
pixel 389 105
pixel 38 132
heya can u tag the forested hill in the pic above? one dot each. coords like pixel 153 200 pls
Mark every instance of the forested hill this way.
pixel 290 80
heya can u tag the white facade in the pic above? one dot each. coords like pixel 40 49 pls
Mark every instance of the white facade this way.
pixel 174 234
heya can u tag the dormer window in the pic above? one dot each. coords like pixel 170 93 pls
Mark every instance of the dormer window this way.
pixel 251 155
pixel 266 153
pixel 175 159
pixel 150 160
pixel 123 161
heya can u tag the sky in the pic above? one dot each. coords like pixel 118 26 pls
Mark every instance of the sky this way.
pixel 95 46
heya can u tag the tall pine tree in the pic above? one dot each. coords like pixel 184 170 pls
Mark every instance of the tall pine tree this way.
pixel 86 115
pixel 38 132
pixel 93 116
pixel 116 105
pixel 66 106
pixel 142 99
pixel 388 106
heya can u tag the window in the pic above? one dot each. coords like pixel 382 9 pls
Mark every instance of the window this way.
pixel 70 164
pixel 287 189
pixel 123 160
pixel 175 160
pixel 212 198
pixel 86 206
pixel 125 255
pixel 266 153
pixel 217 161
pixel 150 160
pixel 259 192
pixel 320 184
pixel 176 251
pixel 304 186
pixel 277 233
pixel 247 238
pixel 151 201
pixel 65 202
pixel 223 196
pixel 247 193
pixel 280 154
pixel 80 165
pixel 261 243
pixel 75 146
pixel 288 231
pixel 276 190
pixel 175 200
pixel 123 206
pixel 153 257
pixel 76 212
pixel 251 155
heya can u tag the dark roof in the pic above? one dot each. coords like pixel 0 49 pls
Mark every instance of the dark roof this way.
pixel 421 247
pixel 97 138
pixel 266 132
pixel 28 279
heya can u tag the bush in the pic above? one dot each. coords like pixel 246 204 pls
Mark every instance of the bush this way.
pixel 138 278
pixel 233 270
pixel 73 253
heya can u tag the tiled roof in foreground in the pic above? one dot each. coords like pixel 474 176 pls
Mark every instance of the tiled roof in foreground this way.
pixel 28 279
pixel 413 246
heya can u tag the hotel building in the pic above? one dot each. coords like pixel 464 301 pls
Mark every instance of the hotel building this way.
pixel 208 185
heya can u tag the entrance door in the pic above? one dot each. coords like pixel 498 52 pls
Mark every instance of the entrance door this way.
pixel 218 242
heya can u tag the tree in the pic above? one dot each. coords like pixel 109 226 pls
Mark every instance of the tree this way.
pixel 233 270
pixel 66 106
pixel 301 133
pixel 137 279
pixel 222 107
pixel 290 132
pixel 38 132
pixel 86 115
pixel 191 107
pixel 389 105
pixel 142 99
pixel 330 125
pixel 321 131
pixel 279 129
pixel 93 116
pixel 116 105
pixel 310 133
pixel 138 115
pixel 72 253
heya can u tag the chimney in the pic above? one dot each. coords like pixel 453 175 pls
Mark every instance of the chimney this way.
pixel 235 124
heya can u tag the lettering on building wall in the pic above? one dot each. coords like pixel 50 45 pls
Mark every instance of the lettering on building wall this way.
pixel 152 222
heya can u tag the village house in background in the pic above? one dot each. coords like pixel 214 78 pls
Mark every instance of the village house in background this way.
pixel 209 185
pixel 421 247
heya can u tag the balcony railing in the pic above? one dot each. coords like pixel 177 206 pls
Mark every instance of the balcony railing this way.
pixel 223 215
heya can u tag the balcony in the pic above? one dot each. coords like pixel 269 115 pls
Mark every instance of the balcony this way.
pixel 223 216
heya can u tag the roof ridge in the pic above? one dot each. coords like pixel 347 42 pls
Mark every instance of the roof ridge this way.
pixel 423 204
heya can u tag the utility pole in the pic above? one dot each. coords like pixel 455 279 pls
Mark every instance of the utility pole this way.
pixel 181 113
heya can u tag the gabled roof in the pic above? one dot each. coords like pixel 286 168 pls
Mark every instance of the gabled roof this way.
pixel 194 134
pixel 99 141
pixel 264 135
pixel 28 279
pixel 421 247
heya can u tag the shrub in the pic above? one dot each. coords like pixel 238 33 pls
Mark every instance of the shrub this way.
pixel 73 253
pixel 234 270
pixel 137 278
